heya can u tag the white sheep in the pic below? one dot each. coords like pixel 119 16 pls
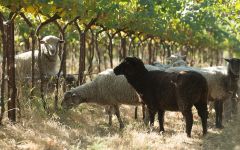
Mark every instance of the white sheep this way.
pixel 230 106
pixel 177 60
pixel 49 59
pixel 218 83
pixel 173 61
pixel 105 89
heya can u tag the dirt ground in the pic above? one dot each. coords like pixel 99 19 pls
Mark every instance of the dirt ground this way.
pixel 86 127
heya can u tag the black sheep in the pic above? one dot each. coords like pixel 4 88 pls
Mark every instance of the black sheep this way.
pixel 162 91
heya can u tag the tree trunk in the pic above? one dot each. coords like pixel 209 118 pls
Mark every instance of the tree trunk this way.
pixel 91 53
pixel 230 52
pixel 217 57
pixel 11 73
pixel 4 50
pixel 64 59
pixel 132 46
pixel 168 50
pixel 27 43
pixel 139 45
pixel 82 57
pixel 62 68
pixel 155 51
pixel 105 53
pixel 98 52
pixel 124 47
pixel 41 75
pixel 150 51
pixel 142 50
pixel 110 50
pixel 33 64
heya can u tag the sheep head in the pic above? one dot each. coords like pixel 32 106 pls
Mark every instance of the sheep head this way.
pixel 234 65
pixel 49 45
pixel 130 67
pixel 71 99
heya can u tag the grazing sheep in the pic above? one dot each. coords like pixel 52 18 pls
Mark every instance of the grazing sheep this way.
pixel 221 83
pixel 230 106
pixel 162 91
pixel 177 60
pixel 160 65
pixel 179 63
pixel 106 89
pixel 173 61
pixel 49 59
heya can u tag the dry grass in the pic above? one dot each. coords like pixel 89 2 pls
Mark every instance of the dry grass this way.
pixel 86 128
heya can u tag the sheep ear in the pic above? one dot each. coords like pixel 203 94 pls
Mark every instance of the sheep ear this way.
pixel 226 59
pixel 42 42
pixel 67 94
pixel 61 41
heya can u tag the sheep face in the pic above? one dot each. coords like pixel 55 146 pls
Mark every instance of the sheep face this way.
pixel 130 67
pixel 71 100
pixel 49 45
pixel 234 65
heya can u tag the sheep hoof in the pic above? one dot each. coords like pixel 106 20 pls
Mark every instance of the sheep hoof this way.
pixel 188 135
pixel 161 132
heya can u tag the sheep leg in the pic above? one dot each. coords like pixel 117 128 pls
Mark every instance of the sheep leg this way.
pixel 216 107
pixel 146 119
pixel 136 113
pixel 189 120
pixel 151 117
pixel 110 109
pixel 161 119
pixel 117 112
pixel 227 111
pixel 220 113
pixel 203 113
pixel 219 110
pixel 143 111
pixel 234 105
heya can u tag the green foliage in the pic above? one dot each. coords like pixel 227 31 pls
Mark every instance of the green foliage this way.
pixel 201 23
